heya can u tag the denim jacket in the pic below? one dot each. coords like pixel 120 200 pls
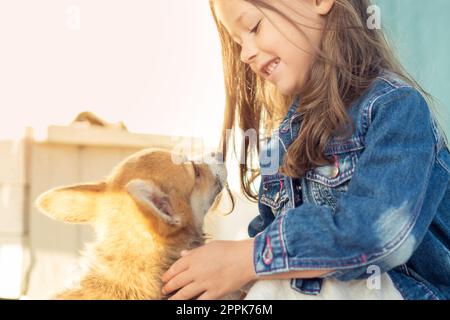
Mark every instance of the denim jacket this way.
pixel 385 202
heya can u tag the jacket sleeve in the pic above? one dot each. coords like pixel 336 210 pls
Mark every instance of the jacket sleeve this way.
pixel 374 220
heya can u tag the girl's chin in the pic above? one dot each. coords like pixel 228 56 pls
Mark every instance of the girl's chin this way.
pixel 287 90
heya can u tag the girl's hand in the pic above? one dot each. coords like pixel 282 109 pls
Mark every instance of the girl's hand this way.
pixel 211 271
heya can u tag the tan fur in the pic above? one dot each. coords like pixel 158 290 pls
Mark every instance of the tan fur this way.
pixel 87 117
pixel 136 241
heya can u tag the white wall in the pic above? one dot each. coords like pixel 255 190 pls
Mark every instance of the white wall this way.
pixel 154 64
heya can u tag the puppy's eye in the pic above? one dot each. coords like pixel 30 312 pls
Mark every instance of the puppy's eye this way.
pixel 196 170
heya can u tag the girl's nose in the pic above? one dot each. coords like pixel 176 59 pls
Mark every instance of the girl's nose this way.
pixel 248 53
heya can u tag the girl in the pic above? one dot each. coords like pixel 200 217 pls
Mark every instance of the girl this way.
pixel 361 178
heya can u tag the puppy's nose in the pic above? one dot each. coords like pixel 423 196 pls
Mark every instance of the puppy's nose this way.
pixel 218 156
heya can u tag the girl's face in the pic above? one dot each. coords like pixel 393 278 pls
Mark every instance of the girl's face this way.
pixel 275 49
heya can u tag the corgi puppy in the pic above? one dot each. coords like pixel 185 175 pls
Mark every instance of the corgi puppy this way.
pixel 144 213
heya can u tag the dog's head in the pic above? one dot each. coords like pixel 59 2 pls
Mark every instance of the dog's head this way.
pixel 149 192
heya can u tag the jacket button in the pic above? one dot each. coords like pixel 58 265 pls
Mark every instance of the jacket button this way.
pixel 335 170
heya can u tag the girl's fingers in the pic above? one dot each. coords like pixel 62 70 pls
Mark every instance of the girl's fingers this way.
pixel 177 282
pixel 205 296
pixel 179 266
pixel 187 292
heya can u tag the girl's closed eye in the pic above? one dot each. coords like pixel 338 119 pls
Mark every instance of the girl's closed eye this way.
pixel 256 28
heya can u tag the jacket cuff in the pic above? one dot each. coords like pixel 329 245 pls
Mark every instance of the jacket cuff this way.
pixel 269 250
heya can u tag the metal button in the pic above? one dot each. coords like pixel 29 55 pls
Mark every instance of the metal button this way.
pixel 335 169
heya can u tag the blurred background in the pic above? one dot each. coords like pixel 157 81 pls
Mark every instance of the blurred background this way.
pixel 154 66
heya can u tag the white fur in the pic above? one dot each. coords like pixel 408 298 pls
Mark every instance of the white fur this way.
pixel 332 289
pixel 200 203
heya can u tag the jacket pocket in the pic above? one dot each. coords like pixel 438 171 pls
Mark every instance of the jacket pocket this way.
pixel 328 182
pixel 274 193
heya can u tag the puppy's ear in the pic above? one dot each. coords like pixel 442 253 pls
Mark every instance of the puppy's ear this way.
pixel 72 204
pixel 152 200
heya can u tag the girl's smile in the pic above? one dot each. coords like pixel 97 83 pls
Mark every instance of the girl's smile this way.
pixel 269 69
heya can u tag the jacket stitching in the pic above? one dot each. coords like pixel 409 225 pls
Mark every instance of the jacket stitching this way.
pixel 443 165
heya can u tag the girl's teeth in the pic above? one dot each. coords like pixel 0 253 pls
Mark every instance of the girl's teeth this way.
pixel 272 66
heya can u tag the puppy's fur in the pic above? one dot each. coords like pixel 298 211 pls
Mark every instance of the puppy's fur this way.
pixel 147 211
pixel 88 118
pixel 332 289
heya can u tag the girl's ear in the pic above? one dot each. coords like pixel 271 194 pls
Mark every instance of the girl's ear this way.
pixel 323 7
pixel 72 204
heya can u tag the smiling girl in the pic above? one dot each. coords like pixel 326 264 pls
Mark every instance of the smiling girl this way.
pixel 364 169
